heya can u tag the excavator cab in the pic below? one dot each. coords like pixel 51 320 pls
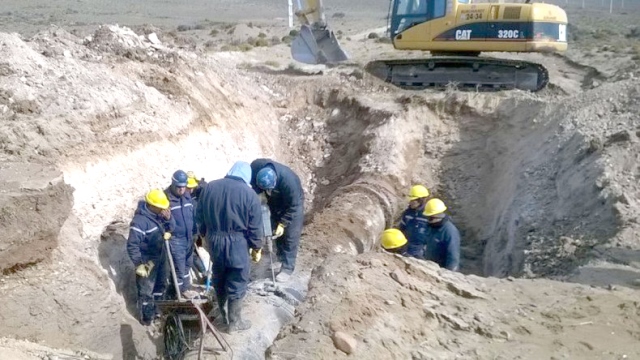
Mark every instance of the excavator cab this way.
pixel 462 27
pixel 315 43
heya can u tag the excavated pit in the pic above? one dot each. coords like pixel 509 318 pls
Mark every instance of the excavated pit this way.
pixel 530 193
pixel 523 189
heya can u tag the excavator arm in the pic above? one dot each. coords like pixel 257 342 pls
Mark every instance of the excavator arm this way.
pixel 315 43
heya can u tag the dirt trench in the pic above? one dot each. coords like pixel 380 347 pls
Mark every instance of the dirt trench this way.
pixel 526 178
pixel 522 175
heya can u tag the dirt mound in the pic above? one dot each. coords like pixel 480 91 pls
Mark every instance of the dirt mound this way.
pixel 24 350
pixel 35 202
pixel 109 120
pixel 396 307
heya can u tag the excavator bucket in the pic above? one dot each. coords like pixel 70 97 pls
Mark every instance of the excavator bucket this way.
pixel 317 46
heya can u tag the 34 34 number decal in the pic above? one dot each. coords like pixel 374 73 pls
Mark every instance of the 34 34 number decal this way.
pixel 473 16
pixel 508 34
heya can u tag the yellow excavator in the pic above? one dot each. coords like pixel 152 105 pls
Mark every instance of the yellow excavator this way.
pixel 455 32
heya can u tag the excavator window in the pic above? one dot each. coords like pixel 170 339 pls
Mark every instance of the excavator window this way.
pixel 408 13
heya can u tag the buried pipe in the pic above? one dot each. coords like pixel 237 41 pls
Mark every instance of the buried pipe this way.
pixel 351 223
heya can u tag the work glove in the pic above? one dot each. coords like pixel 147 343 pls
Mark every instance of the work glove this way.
pixel 144 270
pixel 167 236
pixel 256 255
pixel 279 231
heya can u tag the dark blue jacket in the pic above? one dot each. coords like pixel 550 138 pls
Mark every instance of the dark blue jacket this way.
pixel 146 235
pixel 195 195
pixel 230 206
pixel 443 245
pixel 183 212
pixel 414 227
pixel 287 198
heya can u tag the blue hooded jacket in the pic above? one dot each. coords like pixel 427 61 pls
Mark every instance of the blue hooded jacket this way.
pixel 228 206
pixel 146 235
pixel 287 198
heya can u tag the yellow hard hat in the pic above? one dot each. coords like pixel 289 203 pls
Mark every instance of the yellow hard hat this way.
pixel 434 207
pixel 157 198
pixel 192 180
pixel 392 239
pixel 417 192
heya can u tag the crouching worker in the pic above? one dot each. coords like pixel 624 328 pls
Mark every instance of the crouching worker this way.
pixel 231 220
pixel 151 225
pixel 394 241
pixel 285 198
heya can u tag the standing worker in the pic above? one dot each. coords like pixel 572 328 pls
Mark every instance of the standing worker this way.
pixel 442 238
pixel 182 237
pixel 285 198
pixel 413 223
pixel 230 214
pixel 150 226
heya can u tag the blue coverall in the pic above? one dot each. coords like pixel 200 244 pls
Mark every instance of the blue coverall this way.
pixel 182 247
pixel 286 204
pixel 443 244
pixel 414 227
pixel 230 216
pixel 146 243
pixel 198 265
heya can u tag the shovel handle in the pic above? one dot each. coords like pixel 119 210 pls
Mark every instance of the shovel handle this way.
pixel 173 270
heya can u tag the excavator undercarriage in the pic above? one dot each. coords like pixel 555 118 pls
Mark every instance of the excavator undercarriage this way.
pixel 461 72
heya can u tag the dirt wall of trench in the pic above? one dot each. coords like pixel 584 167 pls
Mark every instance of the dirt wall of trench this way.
pixel 121 116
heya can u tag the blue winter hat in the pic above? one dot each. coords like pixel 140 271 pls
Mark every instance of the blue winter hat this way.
pixel 266 178
pixel 179 179
pixel 241 169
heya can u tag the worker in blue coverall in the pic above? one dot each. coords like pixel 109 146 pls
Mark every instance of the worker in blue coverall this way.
pixel 413 223
pixel 394 241
pixel 231 221
pixel 150 226
pixel 285 198
pixel 442 237
pixel 194 187
pixel 182 246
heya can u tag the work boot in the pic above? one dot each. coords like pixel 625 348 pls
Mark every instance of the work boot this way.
pixel 284 275
pixel 190 294
pixel 235 317
pixel 220 320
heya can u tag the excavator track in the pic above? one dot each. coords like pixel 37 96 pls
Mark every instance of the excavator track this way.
pixel 465 72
